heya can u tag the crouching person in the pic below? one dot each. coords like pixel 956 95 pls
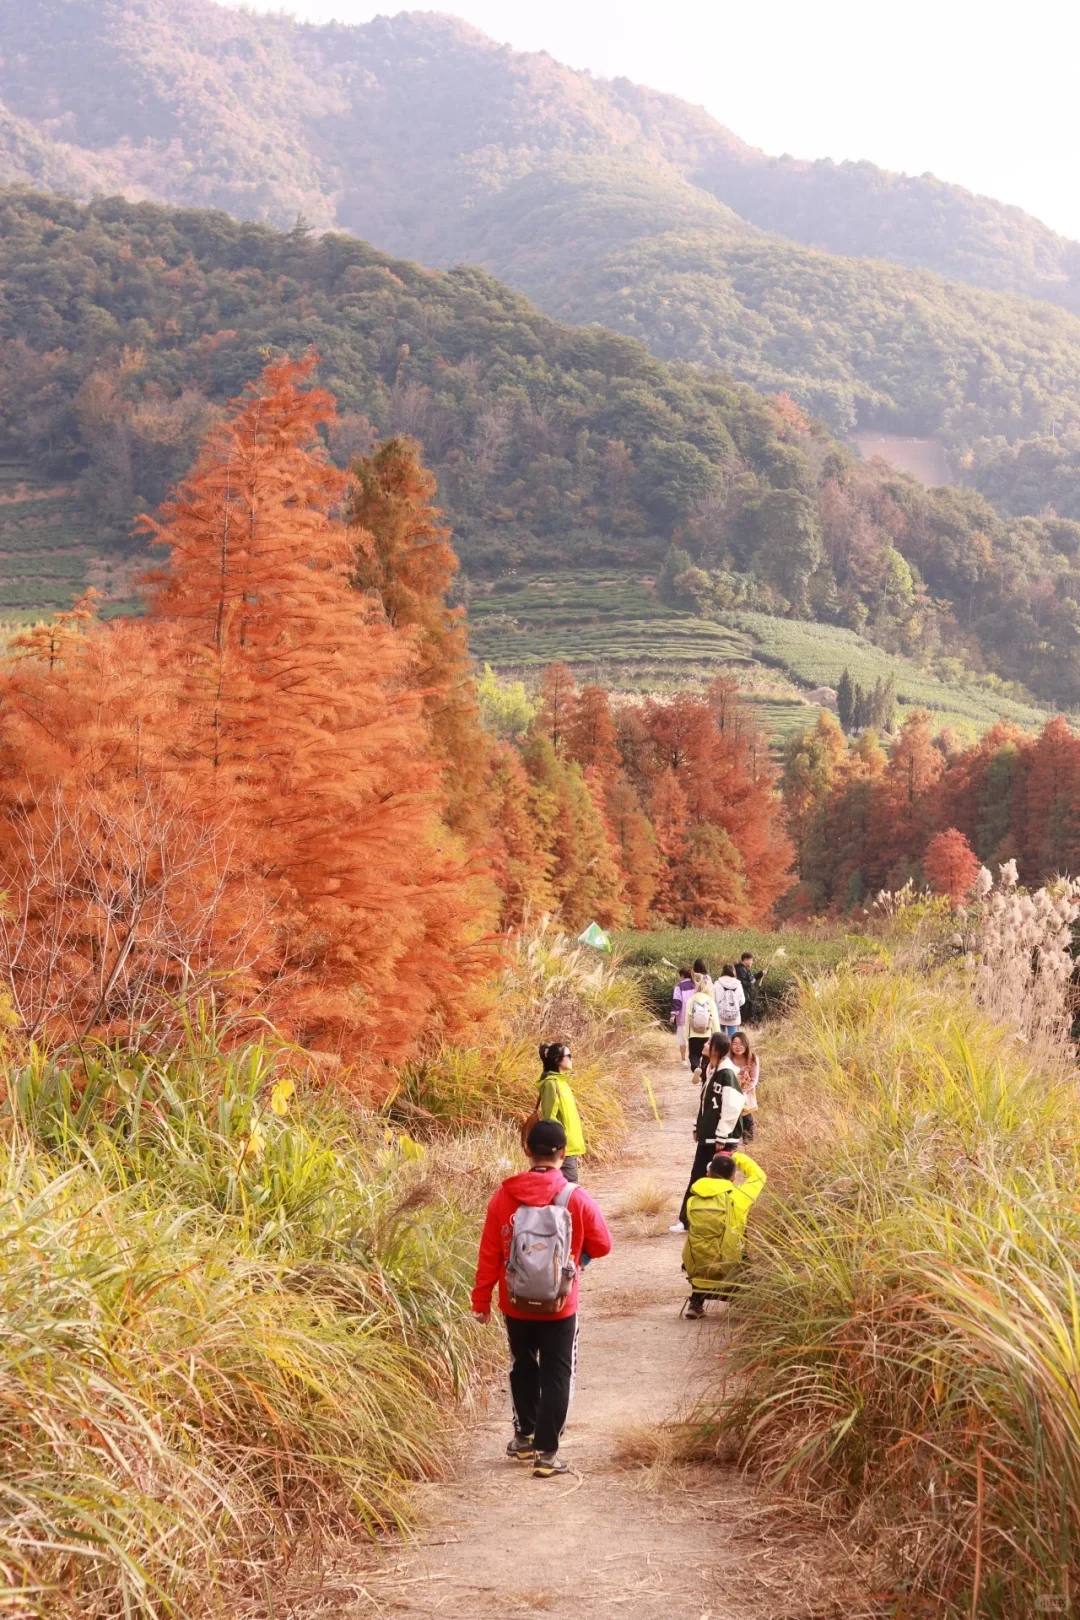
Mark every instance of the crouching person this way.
pixel 716 1219
pixel 537 1228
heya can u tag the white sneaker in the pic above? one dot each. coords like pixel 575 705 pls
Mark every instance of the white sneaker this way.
pixel 678 1227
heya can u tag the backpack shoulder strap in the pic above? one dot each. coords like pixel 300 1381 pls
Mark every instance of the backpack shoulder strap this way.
pixel 564 1194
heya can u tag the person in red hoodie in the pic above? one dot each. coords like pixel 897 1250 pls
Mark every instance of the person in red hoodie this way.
pixel 543 1346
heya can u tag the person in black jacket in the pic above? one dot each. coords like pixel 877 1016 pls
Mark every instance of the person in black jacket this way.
pixel 744 972
pixel 719 1120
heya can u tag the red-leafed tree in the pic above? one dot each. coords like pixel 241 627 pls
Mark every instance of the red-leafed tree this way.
pixel 950 865
pixel 521 864
pixel 404 560
pixel 301 707
pixel 1046 804
pixel 558 704
pixel 590 735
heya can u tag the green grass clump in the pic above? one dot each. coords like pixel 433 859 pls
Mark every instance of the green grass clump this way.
pixel 909 1334
pixel 233 1322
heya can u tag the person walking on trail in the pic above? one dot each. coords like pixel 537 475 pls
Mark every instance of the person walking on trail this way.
pixel 701 1017
pixel 538 1227
pixel 679 997
pixel 730 998
pixel 744 972
pixel 556 1101
pixel 748 1068
pixel 719 1119
pixel 716 1218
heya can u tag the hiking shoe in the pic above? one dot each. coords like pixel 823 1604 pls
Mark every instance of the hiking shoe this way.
pixel 678 1227
pixel 695 1311
pixel 548 1464
pixel 522 1448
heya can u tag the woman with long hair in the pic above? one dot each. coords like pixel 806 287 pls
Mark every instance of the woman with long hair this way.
pixel 719 1119
pixel 748 1069
pixel 556 1101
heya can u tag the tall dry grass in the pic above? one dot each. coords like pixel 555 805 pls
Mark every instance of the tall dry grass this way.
pixel 234 1308
pixel 552 989
pixel 232 1321
pixel 908 1338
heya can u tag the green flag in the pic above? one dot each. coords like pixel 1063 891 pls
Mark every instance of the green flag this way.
pixel 594 935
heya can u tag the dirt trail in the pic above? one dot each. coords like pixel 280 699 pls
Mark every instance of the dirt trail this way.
pixel 688 1543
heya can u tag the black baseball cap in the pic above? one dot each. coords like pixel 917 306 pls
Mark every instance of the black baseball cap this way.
pixel 547 1138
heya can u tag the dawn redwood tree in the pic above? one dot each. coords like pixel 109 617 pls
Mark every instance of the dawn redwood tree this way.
pixel 124 902
pixel 586 879
pixel 950 865
pixel 300 707
pixel 590 734
pixel 404 560
pixel 639 857
pixel 521 864
pixel 1046 804
pixel 558 705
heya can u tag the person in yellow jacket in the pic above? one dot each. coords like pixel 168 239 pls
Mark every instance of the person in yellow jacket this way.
pixel 556 1101
pixel 716 1215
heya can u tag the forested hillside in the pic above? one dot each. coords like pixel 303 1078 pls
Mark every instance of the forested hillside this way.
pixel 124 328
pixel 601 200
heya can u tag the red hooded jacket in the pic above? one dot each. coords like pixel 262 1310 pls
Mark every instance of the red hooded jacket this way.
pixel 537 1187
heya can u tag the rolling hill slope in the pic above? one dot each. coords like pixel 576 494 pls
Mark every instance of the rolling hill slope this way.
pixel 124 328
pixel 602 200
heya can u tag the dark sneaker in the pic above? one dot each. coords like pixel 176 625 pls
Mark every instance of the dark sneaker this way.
pixel 522 1447
pixel 695 1311
pixel 548 1464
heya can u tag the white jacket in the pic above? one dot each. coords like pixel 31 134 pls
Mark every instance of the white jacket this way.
pixel 729 996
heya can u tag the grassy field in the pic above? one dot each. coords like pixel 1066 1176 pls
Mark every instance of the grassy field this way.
pixel 611 628
pixel 785 957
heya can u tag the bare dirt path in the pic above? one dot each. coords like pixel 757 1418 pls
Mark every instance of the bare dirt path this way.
pixel 678 1543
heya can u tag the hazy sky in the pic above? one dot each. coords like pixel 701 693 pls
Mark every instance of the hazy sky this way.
pixel 983 94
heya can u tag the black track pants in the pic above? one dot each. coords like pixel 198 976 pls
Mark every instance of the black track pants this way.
pixel 543 1356
pixel 706 1153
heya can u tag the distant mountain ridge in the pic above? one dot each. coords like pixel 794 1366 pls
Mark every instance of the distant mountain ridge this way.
pixel 194 103
pixel 603 201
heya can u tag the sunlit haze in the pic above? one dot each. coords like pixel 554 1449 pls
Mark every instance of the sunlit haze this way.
pixel 982 98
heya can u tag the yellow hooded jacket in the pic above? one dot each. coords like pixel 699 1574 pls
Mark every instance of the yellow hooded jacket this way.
pixel 557 1102
pixel 716 1214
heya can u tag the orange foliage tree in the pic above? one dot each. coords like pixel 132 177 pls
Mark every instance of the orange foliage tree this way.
pixel 950 865
pixel 404 561
pixel 301 710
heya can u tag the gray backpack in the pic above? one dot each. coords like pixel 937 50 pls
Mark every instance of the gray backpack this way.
pixel 540 1271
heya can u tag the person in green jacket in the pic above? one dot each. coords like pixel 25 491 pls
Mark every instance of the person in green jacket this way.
pixel 716 1217
pixel 557 1102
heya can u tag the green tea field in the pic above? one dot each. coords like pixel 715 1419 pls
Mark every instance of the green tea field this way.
pixel 47 556
pixel 612 629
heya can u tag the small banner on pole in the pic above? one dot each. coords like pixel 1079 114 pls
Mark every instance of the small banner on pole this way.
pixel 594 935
